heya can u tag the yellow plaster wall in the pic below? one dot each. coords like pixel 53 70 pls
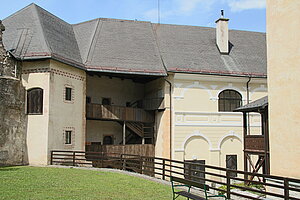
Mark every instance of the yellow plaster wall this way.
pixel 283 36
pixel 37 125
pixel 200 131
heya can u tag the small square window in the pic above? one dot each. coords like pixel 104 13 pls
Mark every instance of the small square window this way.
pixel 106 101
pixel 68 96
pixel 68 137
pixel 88 99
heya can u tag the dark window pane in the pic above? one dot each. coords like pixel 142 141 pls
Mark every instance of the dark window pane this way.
pixel 107 140
pixel 231 163
pixel 35 101
pixel 68 138
pixel 229 100
pixel 68 94
pixel 196 170
pixel 106 101
pixel 88 99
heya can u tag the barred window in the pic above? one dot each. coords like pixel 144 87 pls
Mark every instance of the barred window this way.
pixel 68 96
pixel 68 137
pixel 35 101
pixel 229 100
pixel 231 163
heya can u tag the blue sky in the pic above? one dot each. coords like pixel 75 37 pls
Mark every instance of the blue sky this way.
pixel 243 14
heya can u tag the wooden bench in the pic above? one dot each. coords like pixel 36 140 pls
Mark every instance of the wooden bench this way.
pixel 179 182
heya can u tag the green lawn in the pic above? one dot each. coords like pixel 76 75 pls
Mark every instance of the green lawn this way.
pixel 64 183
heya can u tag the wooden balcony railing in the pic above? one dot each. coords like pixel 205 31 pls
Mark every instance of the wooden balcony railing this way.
pixel 255 143
pixel 136 149
pixel 118 113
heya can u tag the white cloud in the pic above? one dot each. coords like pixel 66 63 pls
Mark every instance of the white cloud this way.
pixel 180 8
pixel 190 5
pixel 240 5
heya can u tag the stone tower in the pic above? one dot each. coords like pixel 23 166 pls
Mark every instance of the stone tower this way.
pixel 13 149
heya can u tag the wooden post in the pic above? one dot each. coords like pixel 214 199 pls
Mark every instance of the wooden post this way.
pixel 141 164
pixel 51 157
pixel 286 188
pixel 245 134
pixel 190 171
pixel 228 184
pixel 73 158
pixel 164 169
pixel 124 133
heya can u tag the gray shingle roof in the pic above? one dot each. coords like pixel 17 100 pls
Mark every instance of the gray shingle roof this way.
pixel 194 49
pixel 125 46
pixel 254 106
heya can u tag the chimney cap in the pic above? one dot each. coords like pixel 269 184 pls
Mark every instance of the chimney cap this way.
pixel 222 17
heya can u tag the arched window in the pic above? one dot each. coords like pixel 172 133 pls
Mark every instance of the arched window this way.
pixel 229 100
pixel 35 101
pixel 107 140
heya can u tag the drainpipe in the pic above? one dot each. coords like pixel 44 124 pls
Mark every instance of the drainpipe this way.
pixel 170 91
pixel 247 86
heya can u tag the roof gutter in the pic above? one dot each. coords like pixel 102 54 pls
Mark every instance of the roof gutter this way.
pixel 220 74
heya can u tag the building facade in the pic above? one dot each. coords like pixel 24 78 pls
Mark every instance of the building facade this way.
pixel 119 82
pixel 283 69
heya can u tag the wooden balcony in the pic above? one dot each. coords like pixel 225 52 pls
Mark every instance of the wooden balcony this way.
pixel 255 143
pixel 118 113
pixel 132 149
pixel 152 103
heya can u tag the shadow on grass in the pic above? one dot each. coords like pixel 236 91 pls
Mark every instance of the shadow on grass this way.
pixel 8 168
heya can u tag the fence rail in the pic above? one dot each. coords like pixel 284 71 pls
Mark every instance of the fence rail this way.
pixel 220 179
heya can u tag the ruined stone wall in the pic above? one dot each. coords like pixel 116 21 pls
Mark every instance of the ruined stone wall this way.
pixel 13 149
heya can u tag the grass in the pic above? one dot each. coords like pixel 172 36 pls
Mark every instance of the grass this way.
pixel 66 183
pixel 253 186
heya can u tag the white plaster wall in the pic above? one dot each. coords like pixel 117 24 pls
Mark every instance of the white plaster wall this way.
pixel 37 125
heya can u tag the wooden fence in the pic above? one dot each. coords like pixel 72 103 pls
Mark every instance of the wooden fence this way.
pixel 220 179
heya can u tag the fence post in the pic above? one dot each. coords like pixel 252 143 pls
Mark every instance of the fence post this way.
pixel 190 171
pixel 164 169
pixel 124 162
pixel 286 188
pixel 51 157
pixel 73 158
pixel 228 184
pixel 121 160
pixel 141 164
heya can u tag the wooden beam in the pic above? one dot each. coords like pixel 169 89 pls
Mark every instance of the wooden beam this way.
pixel 124 133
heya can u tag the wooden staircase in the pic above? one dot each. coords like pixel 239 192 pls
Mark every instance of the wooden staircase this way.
pixel 136 127
pixel 148 130
pixel 142 130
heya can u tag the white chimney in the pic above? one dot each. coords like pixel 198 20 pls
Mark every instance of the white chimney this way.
pixel 222 34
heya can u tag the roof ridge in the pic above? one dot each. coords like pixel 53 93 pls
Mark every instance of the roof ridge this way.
pixel 42 27
pixel 93 41
pixel 15 13
pixel 157 45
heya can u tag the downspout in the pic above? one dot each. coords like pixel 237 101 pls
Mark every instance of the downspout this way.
pixel 248 101
pixel 247 86
pixel 170 91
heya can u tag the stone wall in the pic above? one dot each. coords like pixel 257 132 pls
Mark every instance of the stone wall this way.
pixel 13 149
